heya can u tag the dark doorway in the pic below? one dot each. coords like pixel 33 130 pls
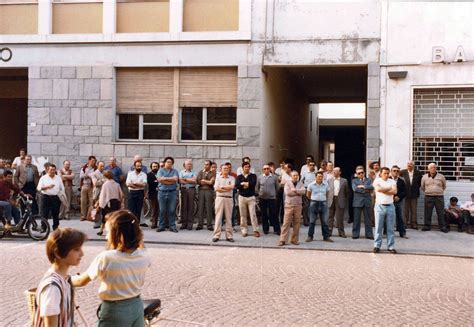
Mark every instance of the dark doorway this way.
pixel 13 111
pixel 349 144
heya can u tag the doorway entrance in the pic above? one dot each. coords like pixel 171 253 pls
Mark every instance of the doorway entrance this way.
pixel 13 111
pixel 293 126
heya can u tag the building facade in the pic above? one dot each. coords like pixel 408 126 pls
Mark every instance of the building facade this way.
pixel 220 79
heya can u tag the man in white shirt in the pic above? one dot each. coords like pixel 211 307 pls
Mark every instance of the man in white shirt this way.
pixel 50 185
pixel 305 168
pixel 224 186
pixel 467 213
pixel 384 210
pixel 136 183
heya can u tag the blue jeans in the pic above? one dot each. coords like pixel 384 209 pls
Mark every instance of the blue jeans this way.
pixel 384 213
pixel 7 209
pixel 167 201
pixel 318 208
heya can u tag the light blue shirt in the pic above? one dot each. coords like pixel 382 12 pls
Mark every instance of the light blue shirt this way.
pixel 308 178
pixel 167 173
pixel 187 174
pixel 318 191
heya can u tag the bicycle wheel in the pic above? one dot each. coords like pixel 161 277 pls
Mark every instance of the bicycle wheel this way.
pixel 146 207
pixel 38 228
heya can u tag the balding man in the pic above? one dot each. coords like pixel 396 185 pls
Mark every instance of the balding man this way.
pixel 116 171
pixel 434 185
pixel 412 177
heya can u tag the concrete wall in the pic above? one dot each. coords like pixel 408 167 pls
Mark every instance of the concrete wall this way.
pixel 441 24
pixel 285 118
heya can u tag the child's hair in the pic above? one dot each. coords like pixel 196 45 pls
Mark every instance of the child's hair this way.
pixel 125 232
pixel 61 241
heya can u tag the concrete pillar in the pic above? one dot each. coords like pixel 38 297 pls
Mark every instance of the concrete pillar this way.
pixel 109 16
pixel 45 17
pixel 373 112
pixel 176 16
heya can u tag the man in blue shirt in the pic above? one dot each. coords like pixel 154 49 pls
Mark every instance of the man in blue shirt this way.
pixel 116 170
pixel 167 185
pixel 317 192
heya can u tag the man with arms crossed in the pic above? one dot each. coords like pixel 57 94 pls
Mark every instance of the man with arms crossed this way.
pixel 384 210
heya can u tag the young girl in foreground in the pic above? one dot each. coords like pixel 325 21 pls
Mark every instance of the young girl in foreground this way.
pixel 121 271
pixel 54 295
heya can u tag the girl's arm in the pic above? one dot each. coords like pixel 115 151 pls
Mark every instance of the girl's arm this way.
pixel 80 280
pixel 51 321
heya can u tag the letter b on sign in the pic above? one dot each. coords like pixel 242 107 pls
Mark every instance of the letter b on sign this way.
pixel 438 54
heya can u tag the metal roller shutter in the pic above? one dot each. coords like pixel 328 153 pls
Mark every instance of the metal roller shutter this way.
pixel 145 90
pixel 208 87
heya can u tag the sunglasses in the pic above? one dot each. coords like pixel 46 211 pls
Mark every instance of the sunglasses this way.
pixel 395 170
pixel 265 168
pixel 312 165
pixel 360 173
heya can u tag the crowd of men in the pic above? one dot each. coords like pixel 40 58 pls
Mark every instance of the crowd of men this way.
pixel 285 196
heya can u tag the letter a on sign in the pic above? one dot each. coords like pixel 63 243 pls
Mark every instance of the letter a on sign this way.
pixel 438 54
pixel 459 57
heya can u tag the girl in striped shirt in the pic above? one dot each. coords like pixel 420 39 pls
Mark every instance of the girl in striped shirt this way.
pixel 121 271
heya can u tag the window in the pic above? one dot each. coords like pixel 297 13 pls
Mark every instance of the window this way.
pixel 209 124
pixel 144 127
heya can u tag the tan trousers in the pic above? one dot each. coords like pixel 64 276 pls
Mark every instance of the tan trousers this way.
pixel 223 206
pixel 86 200
pixel 64 212
pixel 292 216
pixel 410 212
pixel 246 207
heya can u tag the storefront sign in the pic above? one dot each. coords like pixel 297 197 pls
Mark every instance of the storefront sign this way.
pixel 439 55
pixel 5 54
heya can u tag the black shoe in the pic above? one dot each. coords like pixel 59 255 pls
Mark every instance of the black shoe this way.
pixel 210 229
pixel 393 251
pixel 370 238
pixel 376 250
pixel 328 240
pixel 404 236
pixel 445 230
pixel 230 240
pixel 355 237
pixel 215 240
pixel 174 230
pixel 160 230
pixel 342 235
pixel 183 227
pixel 153 226
pixel 199 228
pixel 277 233
pixel 144 225
pixel 306 225
pixel 96 226
pixel 265 232
pixel 100 233
pixel 425 229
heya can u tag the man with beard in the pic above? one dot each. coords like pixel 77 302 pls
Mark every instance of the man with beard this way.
pixel 136 183
pixel 153 193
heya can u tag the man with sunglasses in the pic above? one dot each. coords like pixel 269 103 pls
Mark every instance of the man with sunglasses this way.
pixel 305 168
pixel 362 201
pixel 398 199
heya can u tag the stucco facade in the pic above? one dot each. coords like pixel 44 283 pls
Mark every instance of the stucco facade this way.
pixel 72 77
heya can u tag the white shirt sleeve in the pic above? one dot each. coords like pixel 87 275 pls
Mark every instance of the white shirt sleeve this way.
pixel 50 301
pixel 96 267
pixel 40 184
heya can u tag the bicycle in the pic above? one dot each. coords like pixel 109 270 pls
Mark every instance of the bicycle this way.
pixel 36 227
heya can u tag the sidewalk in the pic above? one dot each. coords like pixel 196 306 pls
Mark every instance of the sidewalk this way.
pixel 426 243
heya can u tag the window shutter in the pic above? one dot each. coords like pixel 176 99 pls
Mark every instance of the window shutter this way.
pixel 145 90
pixel 208 87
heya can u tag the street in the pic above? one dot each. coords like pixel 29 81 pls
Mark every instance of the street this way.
pixel 232 286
